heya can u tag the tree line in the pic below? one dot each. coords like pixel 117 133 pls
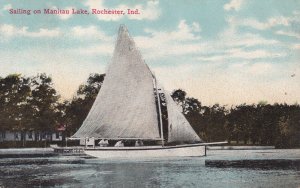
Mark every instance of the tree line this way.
pixel 255 124
pixel 32 103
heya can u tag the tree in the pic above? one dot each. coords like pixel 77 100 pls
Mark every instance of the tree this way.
pixel 213 123
pixel 179 97
pixel 90 90
pixel 14 95
pixel 245 124
pixel 289 127
pixel 43 102
pixel 191 109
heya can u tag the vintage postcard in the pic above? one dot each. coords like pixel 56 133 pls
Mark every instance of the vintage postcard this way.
pixel 149 93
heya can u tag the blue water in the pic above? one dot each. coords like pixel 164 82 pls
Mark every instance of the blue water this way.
pixel 66 171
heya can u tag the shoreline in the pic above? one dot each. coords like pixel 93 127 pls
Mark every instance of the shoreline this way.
pixel 26 152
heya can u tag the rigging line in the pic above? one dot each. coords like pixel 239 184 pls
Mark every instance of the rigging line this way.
pixel 159 111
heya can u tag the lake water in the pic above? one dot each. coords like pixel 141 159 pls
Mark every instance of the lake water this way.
pixel 73 171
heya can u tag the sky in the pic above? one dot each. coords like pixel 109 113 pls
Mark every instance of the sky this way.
pixel 219 51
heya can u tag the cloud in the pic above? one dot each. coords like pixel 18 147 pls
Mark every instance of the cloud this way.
pixel 250 22
pixel 232 37
pixel 232 45
pixel 150 11
pixel 246 40
pixel 252 54
pixel 288 33
pixel 238 83
pixel 280 20
pixel 253 23
pixel 7 7
pixel 240 53
pixel 98 42
pixel 296 46
pixel 97 49
pixel 234 5
pixel 90 32
pixel 9 31
pixel 196 27
pixel 183 32
pixel 181 41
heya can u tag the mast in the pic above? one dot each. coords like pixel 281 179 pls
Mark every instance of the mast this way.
pixel 159 113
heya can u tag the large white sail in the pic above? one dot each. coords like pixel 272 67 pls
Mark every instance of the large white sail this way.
pixel 125 106
pixel 180 129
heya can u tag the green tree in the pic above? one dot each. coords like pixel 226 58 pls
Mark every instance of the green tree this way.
pixel 191 109
pixel 43 102
pixel 243 121
pixel 14 95
pixel 289 127
pixel 179 97
pixel 213 122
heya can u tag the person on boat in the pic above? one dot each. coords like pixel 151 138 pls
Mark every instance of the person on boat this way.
pixel 139 143
pixel 119 144
pixel 103 143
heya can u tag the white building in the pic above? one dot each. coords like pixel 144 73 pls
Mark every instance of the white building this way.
pixel 30 136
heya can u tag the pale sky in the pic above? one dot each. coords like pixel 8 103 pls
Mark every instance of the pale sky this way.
pixel 218 51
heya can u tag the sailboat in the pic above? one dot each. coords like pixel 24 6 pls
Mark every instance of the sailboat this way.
pixel 128 107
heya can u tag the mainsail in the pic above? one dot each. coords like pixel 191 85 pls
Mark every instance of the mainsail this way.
pixel 125 106
pixel 179 128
